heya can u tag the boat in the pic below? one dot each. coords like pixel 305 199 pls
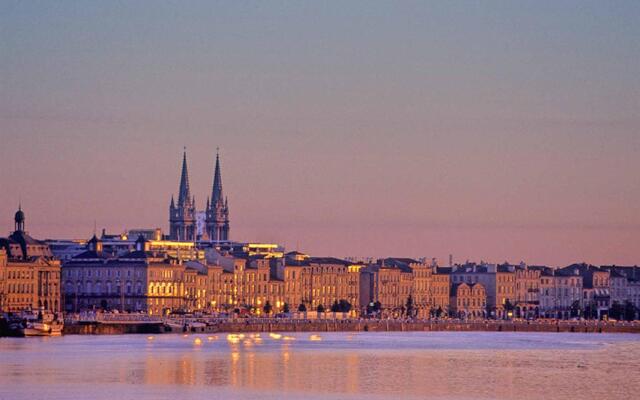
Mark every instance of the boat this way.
pixel 36 329
pixel 41 324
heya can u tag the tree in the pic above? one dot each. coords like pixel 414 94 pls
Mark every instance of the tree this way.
pixel 590 311
pixel 439 312
pixel 616 311
pixel 575 309
pixel 335 307
pixel 377 306
pixel 345 306
pixel 320 308
pixel 629 311
pixel 409 309
pixel 285 308
pixel 267 308
pixel 302 308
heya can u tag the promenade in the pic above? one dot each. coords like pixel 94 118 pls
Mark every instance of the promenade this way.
pixel 122 324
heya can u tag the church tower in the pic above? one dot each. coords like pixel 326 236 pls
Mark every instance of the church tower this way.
pixel 182 217
pixel 217 220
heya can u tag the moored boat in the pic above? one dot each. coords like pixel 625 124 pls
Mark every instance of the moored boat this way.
pixel 41 324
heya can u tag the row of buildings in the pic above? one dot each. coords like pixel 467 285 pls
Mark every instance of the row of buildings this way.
pixel 154 275
pixel 196 267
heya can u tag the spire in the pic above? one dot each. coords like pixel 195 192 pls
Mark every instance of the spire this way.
pixel 184 195
pixel 173 203
pixel 207 203
pixel 216 193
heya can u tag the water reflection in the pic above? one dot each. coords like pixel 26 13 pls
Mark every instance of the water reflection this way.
pixel 440 365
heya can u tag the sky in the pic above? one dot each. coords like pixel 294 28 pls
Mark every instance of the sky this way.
pixel 494 130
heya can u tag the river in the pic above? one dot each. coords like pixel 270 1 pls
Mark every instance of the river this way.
pixel 401 365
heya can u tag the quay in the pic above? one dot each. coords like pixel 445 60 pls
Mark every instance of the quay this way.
pixel 123 324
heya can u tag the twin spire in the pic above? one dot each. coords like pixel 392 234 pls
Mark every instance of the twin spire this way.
pixel 184 192
pixel 183 215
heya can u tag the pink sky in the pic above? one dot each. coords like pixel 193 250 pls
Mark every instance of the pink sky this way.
pixel 494 134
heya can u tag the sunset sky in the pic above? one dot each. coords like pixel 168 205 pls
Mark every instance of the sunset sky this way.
pixel 489 130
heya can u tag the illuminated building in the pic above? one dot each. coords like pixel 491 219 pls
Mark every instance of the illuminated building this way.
pixel 498 282
pixel 321 281
pixel 468 300
pixel 29 274
pixel 148 278
pixel 439 293
pixel 527 291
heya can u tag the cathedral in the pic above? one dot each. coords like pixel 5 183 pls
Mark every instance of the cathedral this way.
pixel 183 215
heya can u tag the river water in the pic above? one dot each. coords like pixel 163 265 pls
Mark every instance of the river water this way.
pixel 401 365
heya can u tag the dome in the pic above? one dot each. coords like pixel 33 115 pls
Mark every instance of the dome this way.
pixel 19 216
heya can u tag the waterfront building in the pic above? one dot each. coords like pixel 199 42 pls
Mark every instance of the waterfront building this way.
pixel 634 295
pixel 596 293
pixel 394 282
pixel 505 291
pixel 631 285
pixel 143 279
pixel 618 287
pixel 547 292
pixel 321 283
pixel 482 273
pixel 622 278
pixel 415 281
pixel 499 282
pixel 3 277
pixel 247 284
pixel 297 280
pixel 182 216
pixel 468 300
pixel 561 293
pixel 527 298
pixel 390 287
pixel 332 280
pixel 439 293
pixel 29 274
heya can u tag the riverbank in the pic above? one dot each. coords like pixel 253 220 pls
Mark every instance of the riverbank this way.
pixel 284 325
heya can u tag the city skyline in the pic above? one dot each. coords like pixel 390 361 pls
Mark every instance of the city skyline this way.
pixel 511 136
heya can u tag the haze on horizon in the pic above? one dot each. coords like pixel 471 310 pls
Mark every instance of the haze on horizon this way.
pixel 491 130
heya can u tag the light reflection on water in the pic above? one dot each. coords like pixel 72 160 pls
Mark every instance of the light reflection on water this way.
pixel 441 365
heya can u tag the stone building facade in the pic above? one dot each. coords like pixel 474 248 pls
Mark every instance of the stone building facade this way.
pixel 468 301
pixel 527 298
pixel 439 293
pixel 29 274
pixel 141 280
